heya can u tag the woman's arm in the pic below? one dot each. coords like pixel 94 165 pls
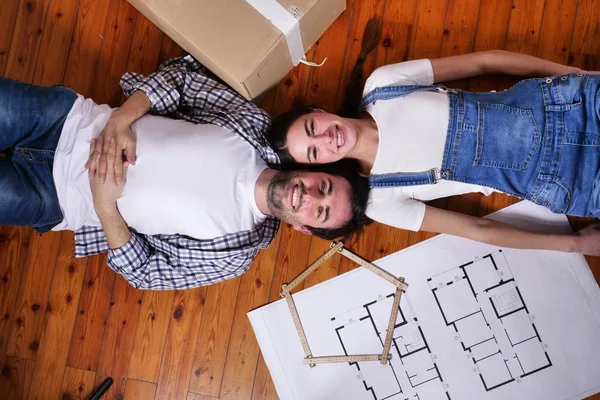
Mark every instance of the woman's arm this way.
pixel 495 62
pixel 497 233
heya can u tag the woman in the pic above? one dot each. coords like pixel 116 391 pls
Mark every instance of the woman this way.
pixel 539 140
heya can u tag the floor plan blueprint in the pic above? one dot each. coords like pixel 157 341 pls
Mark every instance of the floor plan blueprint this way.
pixel 477 322
pixel 481 302
pixel 412 365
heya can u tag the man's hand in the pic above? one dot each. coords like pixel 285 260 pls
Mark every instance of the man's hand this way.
pixel 105 194
pixel 118 129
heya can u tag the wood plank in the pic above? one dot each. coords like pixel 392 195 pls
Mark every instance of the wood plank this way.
pixel 87 39
pixel 323 85
pixel 77 384
pixel 429 29
pixel 14 242
pixel 150 335
pixel 586 38
pixel 196 396
pixel 117 342
pixel 60 316
pixel 169 49
pixel 213 340
pixel 456 43
pixel 453 44
pixel 292 258
pixel 8 17
pixel 492 25
pixel 112 62
pixel 15 378
pixel 394 43
pixel 186 315
pixel 139 390
pixel 557 30
pixel 31 305
pixel 526 20
pixel 145 48
pixel 55 42
pixel 523 48
pixel 363 245
pixel 291 91
pixel 242 355
pixel 328 269
pixel 585 61
pixel 462 15
pixel 90 323
pixel 363 11
pixel 26 39
pixel 401 12
pixel 264 388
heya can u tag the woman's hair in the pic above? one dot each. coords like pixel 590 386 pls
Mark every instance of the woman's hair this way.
pixel 276 135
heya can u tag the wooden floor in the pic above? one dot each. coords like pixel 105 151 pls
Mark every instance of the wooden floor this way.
pixel 66 324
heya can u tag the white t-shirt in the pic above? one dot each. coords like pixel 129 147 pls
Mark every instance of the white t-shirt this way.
pixel 412 136
pixel 194 180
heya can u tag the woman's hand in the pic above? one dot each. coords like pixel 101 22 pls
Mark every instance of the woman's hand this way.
pixel 588 240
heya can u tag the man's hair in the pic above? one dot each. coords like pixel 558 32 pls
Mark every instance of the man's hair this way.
pixel 276 135
pixel 347 169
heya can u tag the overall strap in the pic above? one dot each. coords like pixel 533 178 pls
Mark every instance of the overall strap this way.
pixel 393 92
pixel 401 178
pixel 404 179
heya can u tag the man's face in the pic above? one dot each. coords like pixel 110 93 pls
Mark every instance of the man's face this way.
pixel 314 199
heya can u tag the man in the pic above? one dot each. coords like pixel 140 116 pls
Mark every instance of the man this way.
pixel 197 202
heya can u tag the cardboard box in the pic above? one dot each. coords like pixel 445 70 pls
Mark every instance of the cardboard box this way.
pixel 236 41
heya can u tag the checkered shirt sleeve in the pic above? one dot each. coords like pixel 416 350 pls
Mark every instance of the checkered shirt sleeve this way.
pixel 183 89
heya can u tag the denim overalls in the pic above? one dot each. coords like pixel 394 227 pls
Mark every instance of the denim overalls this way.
pixel 539 140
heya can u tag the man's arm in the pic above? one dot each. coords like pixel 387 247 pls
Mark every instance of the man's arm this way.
pixel 495 62
pixel 586 241
pixel 118 128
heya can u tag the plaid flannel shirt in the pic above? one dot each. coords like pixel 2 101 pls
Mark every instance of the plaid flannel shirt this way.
pixel 183 89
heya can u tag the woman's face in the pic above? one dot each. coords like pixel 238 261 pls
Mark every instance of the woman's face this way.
pixel 320 138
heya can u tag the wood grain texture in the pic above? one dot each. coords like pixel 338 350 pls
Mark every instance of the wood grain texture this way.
pixel 210 351
pixel 61 310
pixel 15 378
pixel 25 334
pixel 92 313
pixel 139 390
pixel 186 315
pixel 213 340
pixel 150 335
pixel 77 384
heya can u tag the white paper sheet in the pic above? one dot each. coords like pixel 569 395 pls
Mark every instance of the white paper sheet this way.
pixel 477 322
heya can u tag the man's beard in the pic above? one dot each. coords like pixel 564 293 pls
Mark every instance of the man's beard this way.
pixel 276 195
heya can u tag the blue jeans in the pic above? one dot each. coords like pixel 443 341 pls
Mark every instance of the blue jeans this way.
pixel 31 121
pixel 539 140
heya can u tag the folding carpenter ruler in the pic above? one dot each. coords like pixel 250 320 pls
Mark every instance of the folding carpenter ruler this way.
pixel 401 286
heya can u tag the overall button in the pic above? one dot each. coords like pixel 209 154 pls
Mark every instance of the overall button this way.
pixel 563 78
pixel 533 198
pixel 446 174
pixel 548 204
pixel 579 74
pixel 548 81
pixel 559 211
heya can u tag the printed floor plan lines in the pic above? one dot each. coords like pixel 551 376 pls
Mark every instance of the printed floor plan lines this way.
pixel 481 301
pixel 412 374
